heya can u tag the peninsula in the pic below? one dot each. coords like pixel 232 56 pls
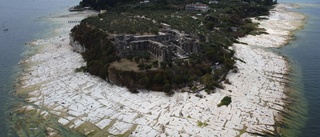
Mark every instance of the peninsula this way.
pixel 165 45
pixel 64 99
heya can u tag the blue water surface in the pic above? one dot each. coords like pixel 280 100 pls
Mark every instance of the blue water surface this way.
pixel 305 52
pixel 20 22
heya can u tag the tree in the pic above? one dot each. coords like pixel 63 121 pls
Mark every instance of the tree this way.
pixel 104 72
pixel 186 63
pixel 170 64
pixel 178 62
pixel 229 63
pixel 209 25
pixel 141 66
pixel 167 86
pixel 148 67
pixel 163 64
pixel 130 57
pixel 136 59
pixel 146 56
pixel 158 78
pixel 155 63
pixel 207 80
pixel 162 2
pixel 146 80
pixel 118 58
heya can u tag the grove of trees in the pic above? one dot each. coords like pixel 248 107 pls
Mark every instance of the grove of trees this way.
pixel 217 30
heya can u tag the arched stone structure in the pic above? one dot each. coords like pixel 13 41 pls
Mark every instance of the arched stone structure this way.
pixel 157 49
pixel 160 46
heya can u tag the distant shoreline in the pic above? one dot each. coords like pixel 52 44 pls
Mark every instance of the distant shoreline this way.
pixel 75 8
pixel 78 100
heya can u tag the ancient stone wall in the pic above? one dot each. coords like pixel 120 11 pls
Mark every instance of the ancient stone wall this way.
pixel 155 48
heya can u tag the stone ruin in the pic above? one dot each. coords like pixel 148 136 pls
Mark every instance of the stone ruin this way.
pixel 167 45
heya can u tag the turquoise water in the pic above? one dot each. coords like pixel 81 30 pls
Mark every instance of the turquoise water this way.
pixel 24 21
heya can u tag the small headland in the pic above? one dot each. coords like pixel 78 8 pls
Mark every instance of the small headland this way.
pixel 175 46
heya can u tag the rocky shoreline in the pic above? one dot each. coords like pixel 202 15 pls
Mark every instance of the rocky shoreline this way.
pixel 93 107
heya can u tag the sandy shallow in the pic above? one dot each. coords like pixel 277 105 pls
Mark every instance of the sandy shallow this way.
pixel 94 107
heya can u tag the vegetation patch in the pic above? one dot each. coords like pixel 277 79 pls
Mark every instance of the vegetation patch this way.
pixel 243 130
pixel 202 124
pixel 225 101
pixel 81 69
pixel 215 31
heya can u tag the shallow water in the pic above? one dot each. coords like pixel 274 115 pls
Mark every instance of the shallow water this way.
pixel 305 58
pixel 24 22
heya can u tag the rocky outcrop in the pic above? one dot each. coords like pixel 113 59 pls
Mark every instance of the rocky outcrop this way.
pixel 76 46
pixel 134 80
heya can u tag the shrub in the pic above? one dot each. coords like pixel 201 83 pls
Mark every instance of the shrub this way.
pixel 202 124
pixel 158 78
pixel 81 69
pixel 225 101
pixel 133 90
pixel 163 65
pixel 141 66
pixel 155 63
pixel 170 93
pixel 227 81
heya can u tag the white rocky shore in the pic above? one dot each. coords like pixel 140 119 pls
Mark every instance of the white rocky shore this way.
pixel 94 107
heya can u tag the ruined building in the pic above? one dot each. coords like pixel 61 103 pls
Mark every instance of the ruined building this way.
pixel 169 44
pixel 197 7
